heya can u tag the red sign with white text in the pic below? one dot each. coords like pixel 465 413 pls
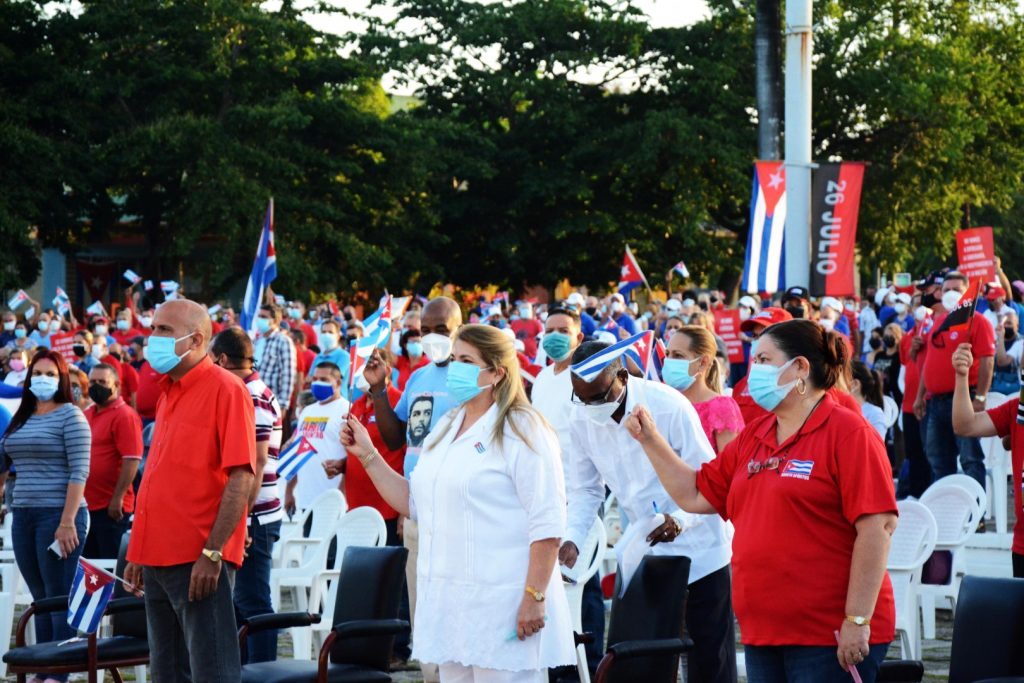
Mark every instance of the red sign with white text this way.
pixel 62 343
pixel 975 249
pixel 727 324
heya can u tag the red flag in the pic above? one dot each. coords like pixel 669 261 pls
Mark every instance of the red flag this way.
pixel 333 305
pixel 96 278
pixel 959 319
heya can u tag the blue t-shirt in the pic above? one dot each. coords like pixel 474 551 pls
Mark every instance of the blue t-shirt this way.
pixel 5 419
pixel 39 339
pixel 627 323
pixel 587 324
pixel 339 357
pixel 424 401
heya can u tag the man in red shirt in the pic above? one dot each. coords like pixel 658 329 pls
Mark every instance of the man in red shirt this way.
pixel 116 452
pixel 188 537
pixel 124 329
pixel 1005 421
pixel 526 328
pixel 918 475
pixel 934 401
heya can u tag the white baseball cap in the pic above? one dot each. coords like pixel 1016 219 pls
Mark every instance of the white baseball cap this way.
pixel 606 337
pixel 673 305
pixel 903 297
pixel 833 303
pixel 748 301
pixel 575 299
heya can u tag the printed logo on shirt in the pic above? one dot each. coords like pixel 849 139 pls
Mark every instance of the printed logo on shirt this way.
pixel 797 469
pixel 314 427
pixel 479 447
pixel 953 335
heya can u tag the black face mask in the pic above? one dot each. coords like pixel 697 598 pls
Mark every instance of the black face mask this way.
pixel 929 300
pixel 99 394
pixel 889 341
pixel 348 317
pixel 79 350
pixel 875 343
pixel 591 311
pixel 1009 334
pixel 795 311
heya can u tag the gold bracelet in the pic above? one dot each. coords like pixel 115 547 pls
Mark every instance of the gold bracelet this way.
pixel 65 526
pixel 365 462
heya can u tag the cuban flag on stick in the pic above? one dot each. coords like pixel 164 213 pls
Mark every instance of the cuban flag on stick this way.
pixel 636 346
pixel 18 299
pixel 630 276
pixel 764 268
pixel 90 592
pixel 681 269
pixel 292 460
pixel 377 327
pixel 657 361
pixel 264 271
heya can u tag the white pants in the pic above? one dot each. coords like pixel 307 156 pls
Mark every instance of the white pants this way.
pixel 411 540
pixel 457 673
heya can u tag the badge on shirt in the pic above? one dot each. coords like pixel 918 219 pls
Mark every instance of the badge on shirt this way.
pixel 797 469
pixel 479 447
pixel 954 335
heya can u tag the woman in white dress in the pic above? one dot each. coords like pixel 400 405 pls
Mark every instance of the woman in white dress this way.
pixel 489 497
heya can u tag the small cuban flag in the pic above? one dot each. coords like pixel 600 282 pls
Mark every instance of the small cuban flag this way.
pixel 638 347
pixel 132 277
pixel 90 592
pixel 17 300
pixel 630 275
pixel 292 460
pixel 96 308
pixel 681 269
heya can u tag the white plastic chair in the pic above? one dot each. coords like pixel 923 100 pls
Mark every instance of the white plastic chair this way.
pixel 958 503
pixel 613 532
pixel 997 468
pixel 590 557
pixel 912 544
pixel 361 527
pixel 298 550
pixel 891 410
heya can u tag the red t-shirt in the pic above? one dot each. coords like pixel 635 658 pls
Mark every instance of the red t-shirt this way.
pixel 937 370
pixel 116 437
pixel 125 338
pixel 359 489
pixel 126 373
pixel 405 369
pixel 1004 418
pixel 149 391
pixel 912 371
pixel 527 330
pixel 751 411
pixel 305 361
pixel 795 525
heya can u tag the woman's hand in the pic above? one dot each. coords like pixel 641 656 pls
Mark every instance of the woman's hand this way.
pixel 531 617
pixel 853 644
pixel 641 425
pixel 963 359
pixel 356 439
pixel 67 538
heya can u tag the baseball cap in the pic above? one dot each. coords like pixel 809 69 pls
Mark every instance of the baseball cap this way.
pixel 747 301
pixel 765 317
pixel 903 297
pixel 575 299
pixel 795 293
pixel 673 305
pixel 993 293
pixel 833 303
pixel 936 277
pixel 618 297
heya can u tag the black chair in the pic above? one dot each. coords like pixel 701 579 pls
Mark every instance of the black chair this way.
pixel 900 671
pixel 646 633
pixel 988 631
pixel 359 647
pixel 127 646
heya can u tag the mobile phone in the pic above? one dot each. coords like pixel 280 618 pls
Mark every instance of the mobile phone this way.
pixel 55 549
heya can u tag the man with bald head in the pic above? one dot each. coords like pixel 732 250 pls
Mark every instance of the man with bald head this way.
pixel 438 322
pixel 188 536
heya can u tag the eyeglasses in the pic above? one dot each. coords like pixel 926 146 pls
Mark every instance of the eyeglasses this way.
pixel 594 401
pixel 772 463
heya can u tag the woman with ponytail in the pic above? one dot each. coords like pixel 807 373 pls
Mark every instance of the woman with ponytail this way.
pixel 691 367
pixel 809 490
pixel 489 497
pixel 866 387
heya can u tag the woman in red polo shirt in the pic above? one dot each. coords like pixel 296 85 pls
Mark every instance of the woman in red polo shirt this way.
pixel 808 488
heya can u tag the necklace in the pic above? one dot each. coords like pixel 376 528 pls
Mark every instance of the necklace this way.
pixel 807 417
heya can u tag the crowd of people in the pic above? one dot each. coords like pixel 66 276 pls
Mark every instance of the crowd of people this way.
pixel 488 439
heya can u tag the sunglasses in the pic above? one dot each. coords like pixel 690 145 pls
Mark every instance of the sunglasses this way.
pixel 772 463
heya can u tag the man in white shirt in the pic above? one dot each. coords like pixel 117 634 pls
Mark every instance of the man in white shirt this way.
pixel 603 453
pixel 321 424
pixel 551 396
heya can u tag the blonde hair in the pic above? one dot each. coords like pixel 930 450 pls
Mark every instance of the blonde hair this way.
pixel 497 351
pixel 895 330
pixel 702 343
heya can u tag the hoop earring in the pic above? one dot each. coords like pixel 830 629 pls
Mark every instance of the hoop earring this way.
pixel 801 388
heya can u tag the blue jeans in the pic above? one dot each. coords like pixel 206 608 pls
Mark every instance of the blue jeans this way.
pixel 252 590
pixel 941 444
pixel 46 575
pixel 806 664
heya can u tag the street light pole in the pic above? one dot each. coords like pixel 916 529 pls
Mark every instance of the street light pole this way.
pixel 799 49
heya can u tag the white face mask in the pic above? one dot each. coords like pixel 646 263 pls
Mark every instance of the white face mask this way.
pixel 98 352
pixel 950 299
pixel 101 330
pixel 146 321
pixel 601 414
pixel 901 308
pixel 361 384
pixel 827 323
pixel 437 347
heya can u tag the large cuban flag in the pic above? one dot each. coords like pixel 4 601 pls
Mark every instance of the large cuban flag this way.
pixel 764 269
pixel 264 271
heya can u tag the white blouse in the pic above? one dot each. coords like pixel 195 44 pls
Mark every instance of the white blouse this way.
pixel 479 507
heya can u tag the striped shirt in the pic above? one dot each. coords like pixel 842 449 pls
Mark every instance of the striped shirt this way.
pixel 275 354
pixel 49 452
pixel 269 421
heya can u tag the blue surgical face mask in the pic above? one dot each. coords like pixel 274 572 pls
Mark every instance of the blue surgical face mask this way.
pixel 676 373
pixel 462 381
pixel 763 383
pixel 327 340
pixel 44 387
pixel 557 345
pixel 262 325
pixel 295 314
pixel 19 333
pixel 322 390
pixel 415 349
pixel 160 353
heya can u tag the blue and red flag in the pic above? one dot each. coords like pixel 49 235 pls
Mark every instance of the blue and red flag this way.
pixel 589 368
pixel 294 457
pixel 264 271
pixel 764 269
pixel 657 361
pixel 641 351
pixel 630 276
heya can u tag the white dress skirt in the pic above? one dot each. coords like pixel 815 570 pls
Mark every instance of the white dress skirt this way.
pixel 479 507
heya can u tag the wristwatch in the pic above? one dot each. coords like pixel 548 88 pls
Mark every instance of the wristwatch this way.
pixel 980 397
pixel 860 621
pixel 212 555
pixel 535 594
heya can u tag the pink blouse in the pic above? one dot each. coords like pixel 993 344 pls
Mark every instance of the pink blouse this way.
pixel 719 414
